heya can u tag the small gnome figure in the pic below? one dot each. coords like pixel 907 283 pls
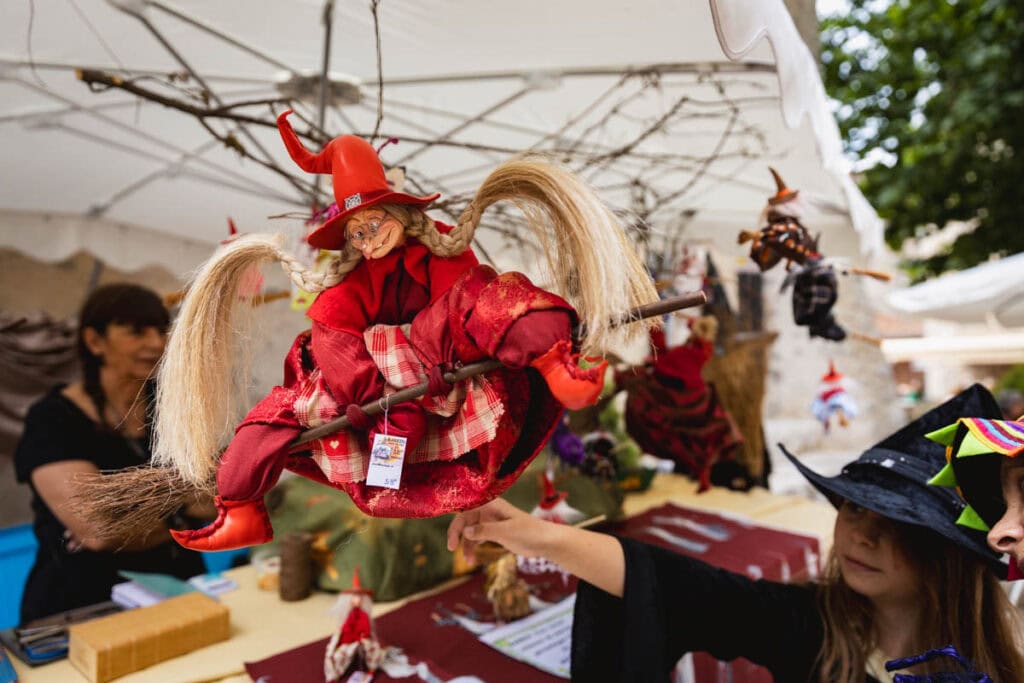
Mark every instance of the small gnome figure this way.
pixel 833 400
pixel 784 236
pixel 552 506
pixel 507 592
pixel 354 646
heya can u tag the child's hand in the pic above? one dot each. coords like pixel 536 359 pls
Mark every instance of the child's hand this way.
pixel 499 522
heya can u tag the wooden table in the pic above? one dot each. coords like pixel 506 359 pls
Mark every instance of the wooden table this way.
pixel 261 624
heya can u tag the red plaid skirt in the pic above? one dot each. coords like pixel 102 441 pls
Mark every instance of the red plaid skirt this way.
pixel 461 421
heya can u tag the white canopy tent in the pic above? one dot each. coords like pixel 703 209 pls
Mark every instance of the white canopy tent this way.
pixel 673 110
pixel 989 292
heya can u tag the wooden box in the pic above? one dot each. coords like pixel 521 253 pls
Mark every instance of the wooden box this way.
pixel 113 646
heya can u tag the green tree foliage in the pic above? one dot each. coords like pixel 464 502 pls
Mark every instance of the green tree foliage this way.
pixel 933 91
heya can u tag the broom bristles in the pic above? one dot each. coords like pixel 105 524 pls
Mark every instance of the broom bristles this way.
pixel 127 504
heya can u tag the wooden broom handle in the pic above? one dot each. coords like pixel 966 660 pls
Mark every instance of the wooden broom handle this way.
pixel 688 300
pixel 877 274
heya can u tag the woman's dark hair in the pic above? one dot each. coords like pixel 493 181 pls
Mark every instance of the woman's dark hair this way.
pixel 119 304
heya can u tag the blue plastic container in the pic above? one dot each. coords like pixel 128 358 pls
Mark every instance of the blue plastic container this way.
pixel 223 559
pixel 17 553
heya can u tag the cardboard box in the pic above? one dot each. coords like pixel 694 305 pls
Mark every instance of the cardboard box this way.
pixel 119 644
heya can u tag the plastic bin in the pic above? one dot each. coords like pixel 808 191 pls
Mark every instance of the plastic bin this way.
pixel 17 553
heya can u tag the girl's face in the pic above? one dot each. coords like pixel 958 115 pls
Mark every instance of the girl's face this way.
pixel 1007 535
pixel 128 352
pixel 870 556
pixel 374 232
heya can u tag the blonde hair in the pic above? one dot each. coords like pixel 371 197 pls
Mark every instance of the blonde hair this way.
pixel 963 605
pixel 592 263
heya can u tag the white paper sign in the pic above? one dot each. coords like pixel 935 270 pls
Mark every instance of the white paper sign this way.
pixel 543 639
pixel 386 458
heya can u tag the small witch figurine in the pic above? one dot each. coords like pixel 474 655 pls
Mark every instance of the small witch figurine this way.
pixel 354 646
pixel 833 400
pixel 673 413
pixel 811 275
pixel 404 301
pixel 784 236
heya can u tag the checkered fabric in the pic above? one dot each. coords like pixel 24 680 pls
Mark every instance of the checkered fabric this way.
pixel 464 419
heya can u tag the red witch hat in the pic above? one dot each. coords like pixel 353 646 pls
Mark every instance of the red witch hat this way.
pixel 358 178
pixel 832 375
pixel 357 587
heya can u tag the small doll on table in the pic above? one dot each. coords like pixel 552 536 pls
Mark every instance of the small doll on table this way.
pixel 353 647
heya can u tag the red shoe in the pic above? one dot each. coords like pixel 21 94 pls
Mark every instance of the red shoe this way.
pixel 239 524
pixel 573 386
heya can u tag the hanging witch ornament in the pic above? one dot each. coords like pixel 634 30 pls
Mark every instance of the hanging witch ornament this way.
pixel 783 236
pixel 833 400
pixel 404 301
pixel 809 273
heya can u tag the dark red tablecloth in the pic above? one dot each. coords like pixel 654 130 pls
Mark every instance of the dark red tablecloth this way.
pixel 756 551
pixel 425 629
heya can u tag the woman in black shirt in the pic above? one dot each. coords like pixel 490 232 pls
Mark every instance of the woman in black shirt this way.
pixel 97 424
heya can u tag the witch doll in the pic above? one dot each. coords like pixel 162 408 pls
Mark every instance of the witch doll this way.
pixel 354 646
pixel 404 301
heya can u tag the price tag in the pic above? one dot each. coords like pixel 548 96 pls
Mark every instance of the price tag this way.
pixel 386 458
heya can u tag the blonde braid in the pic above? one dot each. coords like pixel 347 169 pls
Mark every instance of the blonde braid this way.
pixel 313 281
pixel 422 227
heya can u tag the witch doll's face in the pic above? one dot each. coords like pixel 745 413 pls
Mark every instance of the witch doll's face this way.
pixel 1007 535
pixel 374 232
pixel 871 560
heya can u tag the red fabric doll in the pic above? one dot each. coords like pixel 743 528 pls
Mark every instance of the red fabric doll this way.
pixel 405 301
pixel 672 413
pixel 354 644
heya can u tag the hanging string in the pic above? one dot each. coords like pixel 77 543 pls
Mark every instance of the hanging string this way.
pixel 374 4
pixel 28 43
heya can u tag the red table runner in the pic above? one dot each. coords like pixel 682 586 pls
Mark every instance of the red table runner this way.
pixel 427 629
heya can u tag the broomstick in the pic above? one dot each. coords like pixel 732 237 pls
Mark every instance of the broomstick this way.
pixel 669 305
pixel 121 504
pixel 876 274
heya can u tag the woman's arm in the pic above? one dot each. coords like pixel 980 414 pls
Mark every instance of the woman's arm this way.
pixel 54 482
pixel 595 558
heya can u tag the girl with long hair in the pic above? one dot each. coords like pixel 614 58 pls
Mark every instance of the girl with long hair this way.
pixel 902 577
